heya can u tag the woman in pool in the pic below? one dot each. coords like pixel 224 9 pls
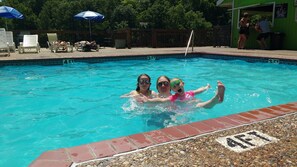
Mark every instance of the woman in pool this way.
pixel 142 88
pixel 163 87
pixel 177 85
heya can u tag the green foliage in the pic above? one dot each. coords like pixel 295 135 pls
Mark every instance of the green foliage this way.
pixel 177 17
pixel 170 14
pixel 121 25
pixel 196 21
pixel 124 16
pixel 157 14
pixel 255 18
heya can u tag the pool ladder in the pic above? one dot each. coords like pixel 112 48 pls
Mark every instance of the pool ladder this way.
pixel 190 39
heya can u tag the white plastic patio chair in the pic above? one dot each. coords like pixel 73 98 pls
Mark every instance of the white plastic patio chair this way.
pixel 9 38
pixel 29 42
pixel 3 43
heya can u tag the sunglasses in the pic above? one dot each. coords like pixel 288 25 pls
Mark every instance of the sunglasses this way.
pixel 165 83
pixel 175 83
pixel 144 81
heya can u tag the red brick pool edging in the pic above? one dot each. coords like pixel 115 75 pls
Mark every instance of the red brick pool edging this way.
pixel 64 157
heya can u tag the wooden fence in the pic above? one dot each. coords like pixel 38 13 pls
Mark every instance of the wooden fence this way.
pixel 156 38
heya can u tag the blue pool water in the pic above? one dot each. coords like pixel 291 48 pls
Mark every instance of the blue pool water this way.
pixel 49 107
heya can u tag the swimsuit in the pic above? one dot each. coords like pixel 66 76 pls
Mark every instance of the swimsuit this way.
pixel 149 94
pixel 187 96
pixel 243 29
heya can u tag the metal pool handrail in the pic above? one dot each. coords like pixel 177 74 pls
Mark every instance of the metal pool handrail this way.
pixel 189 43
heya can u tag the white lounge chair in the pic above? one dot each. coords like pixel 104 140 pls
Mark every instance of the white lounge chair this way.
pixel 29 42
pixel 2 29
pixel 56 45
pixel 9 38
pixel 3 43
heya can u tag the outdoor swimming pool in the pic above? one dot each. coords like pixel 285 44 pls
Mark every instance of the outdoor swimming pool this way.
pixel 49 107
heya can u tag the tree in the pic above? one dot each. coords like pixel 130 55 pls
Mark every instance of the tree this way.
pixel 177 17
pixel 124 15
pixel 196 21
pixel 157 14
pixel 58 14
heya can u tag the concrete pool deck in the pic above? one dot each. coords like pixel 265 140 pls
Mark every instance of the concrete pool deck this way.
pixel 112 52
pixel 193 144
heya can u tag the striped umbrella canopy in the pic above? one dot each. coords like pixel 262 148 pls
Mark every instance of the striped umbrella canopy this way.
pixel 89 15
pixel 11 13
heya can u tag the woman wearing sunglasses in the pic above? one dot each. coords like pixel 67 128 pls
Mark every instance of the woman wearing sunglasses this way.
pixel 163 87
pixel 142 88
pixel 177 85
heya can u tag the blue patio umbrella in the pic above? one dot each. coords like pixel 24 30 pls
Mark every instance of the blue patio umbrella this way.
pixel 11 13
pixel 89 15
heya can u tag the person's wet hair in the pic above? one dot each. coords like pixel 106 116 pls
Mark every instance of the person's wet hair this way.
pixel 138 79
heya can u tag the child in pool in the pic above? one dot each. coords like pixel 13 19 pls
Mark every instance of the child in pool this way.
pixel 177 85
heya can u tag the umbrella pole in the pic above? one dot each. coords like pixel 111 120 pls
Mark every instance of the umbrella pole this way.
pixel 90 30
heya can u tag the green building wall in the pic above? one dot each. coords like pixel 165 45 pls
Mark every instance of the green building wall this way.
pixel 287 25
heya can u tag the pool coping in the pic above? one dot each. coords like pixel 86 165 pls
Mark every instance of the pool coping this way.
pixel 210 55
pixel 67 157
pixel 45 57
